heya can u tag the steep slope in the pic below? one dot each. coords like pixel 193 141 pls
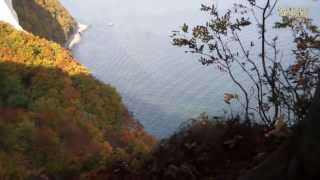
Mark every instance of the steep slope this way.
pixel 45 18
pixel 56 120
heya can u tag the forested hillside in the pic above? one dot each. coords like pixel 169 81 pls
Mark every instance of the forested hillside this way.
pixel 56 119
pixel 45 18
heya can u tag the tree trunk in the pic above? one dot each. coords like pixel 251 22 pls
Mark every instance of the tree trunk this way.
pixel 310 146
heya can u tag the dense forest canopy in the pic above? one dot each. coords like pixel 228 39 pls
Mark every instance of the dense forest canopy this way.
pixel 55 117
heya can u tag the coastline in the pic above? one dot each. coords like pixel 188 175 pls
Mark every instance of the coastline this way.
pixel 76 36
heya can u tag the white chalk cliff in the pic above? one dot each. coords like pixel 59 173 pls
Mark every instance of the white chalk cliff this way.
pixel 8 14
pixel 76 37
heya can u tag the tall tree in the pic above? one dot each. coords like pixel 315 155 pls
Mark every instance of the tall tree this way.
pixel 276 91
pixel 294 89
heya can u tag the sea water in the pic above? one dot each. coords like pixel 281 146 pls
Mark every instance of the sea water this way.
pixel 128 45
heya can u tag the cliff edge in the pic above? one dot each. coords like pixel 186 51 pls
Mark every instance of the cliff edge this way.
pixel 46 18
pixel 8 14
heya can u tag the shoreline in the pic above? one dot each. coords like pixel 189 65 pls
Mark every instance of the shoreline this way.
pixel 75 38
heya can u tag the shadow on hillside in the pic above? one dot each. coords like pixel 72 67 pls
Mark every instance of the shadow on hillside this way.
pixel 39 21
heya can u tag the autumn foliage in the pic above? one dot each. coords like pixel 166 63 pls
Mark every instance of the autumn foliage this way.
pixel 45 18
pixel 203 148
pixel 56 120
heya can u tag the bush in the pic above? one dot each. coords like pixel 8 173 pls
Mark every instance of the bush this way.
pixel 211 149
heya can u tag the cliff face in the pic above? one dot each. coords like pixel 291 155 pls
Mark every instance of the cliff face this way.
pixel 45 18
pixel 8 14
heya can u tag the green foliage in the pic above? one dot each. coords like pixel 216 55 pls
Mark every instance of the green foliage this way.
pixel 185 28
pixel 45 18
pixel 12 93
pixel 55 118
